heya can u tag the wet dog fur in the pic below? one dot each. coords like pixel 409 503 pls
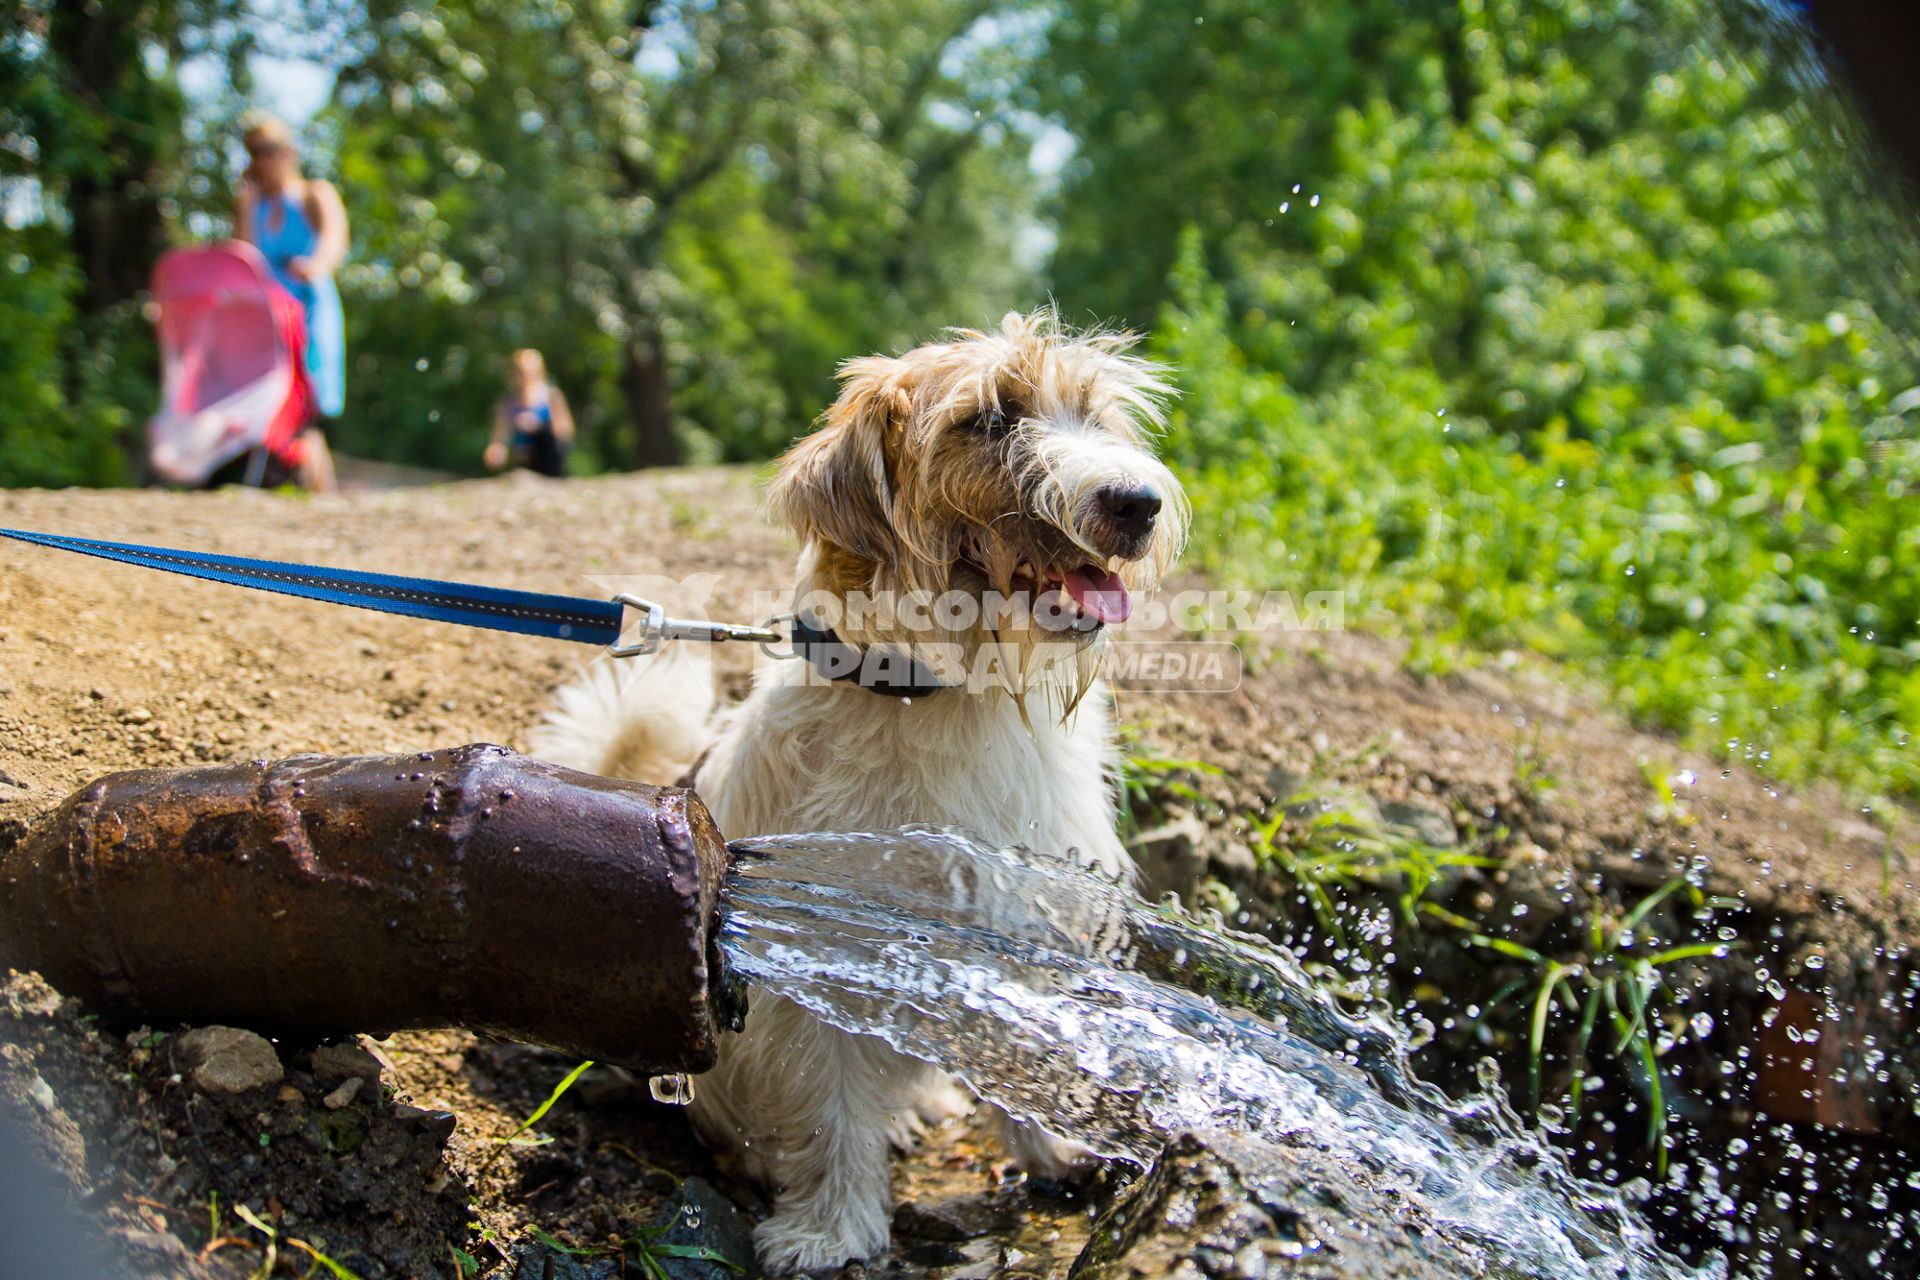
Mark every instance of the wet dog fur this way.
pixel 1006 464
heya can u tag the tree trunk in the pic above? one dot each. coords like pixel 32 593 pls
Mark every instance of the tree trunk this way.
pixel 644 382
pixel 114 201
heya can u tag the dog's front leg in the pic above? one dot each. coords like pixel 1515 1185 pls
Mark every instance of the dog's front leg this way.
pixel 817 1106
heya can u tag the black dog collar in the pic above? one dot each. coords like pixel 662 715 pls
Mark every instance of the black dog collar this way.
pixel 884 671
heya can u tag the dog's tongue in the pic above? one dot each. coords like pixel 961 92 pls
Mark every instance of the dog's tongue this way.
pixel 1099 593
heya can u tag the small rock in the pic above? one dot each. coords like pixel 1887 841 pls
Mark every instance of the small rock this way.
pixel 979 1260
pixel 953 1219
pixel 1860 841
pixel 343 1061
pixel 341 1096
pixel 1354 810
pixel 1172 856
pixel 228 1060
pixel 1301 798
pixel 1283 784
pixel 438 1124
pixel 703 1218
pixel 158 1244
pixel 42 1094
pixel 1234 861
pixel 538 1261
pixel 1425 823
pixel 1215 1200
pixel 137 715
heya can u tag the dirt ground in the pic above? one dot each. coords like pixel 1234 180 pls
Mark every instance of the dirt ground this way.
pixel 1571 812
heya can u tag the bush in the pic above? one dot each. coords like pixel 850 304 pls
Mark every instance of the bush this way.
pixel 61 389
pixel 1736 581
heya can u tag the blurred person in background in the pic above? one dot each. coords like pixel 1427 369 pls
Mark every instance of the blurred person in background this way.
pixel 300 226
pixel 532 426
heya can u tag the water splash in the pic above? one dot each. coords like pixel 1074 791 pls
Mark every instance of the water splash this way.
pixel 1068 1002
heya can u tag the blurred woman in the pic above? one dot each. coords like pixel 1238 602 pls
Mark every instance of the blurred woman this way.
pixel 532 426
pixel 300 227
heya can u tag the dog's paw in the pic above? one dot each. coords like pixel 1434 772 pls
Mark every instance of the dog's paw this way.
pixel 791 1241
pixel 944 1102
pixel 1044 1156
pixel 905 1130
pixel 1056 1158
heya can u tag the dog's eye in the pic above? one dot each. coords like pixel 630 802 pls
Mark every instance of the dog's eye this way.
pixel 995 422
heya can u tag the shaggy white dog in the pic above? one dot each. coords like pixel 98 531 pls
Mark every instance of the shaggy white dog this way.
pixel 986 506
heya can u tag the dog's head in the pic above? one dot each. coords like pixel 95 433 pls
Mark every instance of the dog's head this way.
pixel 1009 468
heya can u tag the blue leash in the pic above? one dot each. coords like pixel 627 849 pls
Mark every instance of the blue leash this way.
pixel 577 618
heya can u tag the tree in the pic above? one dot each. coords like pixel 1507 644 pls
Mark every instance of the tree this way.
pixel 697 209
pixel 1530 323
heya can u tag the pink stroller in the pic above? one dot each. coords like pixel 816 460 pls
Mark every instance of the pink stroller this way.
pixel 233 377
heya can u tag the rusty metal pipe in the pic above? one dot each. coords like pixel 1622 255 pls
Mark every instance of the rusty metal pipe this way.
pixel 317 896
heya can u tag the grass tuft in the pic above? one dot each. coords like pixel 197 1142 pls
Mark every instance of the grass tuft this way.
pixel 1618 974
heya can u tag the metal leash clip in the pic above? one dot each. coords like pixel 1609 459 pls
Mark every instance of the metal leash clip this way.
pixel 780 627
pixel 656 628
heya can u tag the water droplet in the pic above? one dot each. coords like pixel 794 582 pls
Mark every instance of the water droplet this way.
pixel 675 1090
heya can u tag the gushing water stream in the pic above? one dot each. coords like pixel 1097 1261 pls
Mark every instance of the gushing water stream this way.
pixel 1070 1003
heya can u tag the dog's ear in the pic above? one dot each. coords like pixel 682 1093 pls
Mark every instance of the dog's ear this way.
pixel 834 485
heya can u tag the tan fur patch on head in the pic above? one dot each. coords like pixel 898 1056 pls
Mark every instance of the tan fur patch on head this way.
pixel 835 486
pixel 968 463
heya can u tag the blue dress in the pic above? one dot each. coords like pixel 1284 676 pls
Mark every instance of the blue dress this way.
pixel 295 237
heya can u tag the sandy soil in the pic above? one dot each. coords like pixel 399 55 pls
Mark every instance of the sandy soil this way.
pixel 105 667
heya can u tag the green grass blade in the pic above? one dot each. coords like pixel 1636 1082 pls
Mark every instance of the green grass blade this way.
pixel 540 1112
pixel 1645 907
pixel 1691 951
pixel 698 1253
pixel 1536 1043
pixel 1589 1014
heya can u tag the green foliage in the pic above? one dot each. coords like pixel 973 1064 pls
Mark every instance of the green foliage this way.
pixel 89 119
pixel 1623 972
pixel 1147 778
pixel 62 398
pixel 103 162
pixel 646 1249
pixel 694 211
pixel 1555 353
pixel 1331 852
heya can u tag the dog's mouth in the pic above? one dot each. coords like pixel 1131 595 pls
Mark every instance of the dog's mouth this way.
pixel 1085 593
pixel 1093 591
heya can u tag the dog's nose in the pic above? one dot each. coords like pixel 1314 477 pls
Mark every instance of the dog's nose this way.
pixel 1131 509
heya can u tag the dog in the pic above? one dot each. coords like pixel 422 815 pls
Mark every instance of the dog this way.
pixel 1009 470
